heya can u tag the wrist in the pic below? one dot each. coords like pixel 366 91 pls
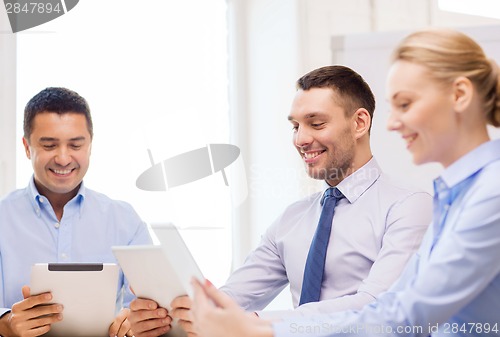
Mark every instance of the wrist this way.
pixel 265 330
pixel 5 330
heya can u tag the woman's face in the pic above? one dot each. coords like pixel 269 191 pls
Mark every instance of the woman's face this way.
pixel 421 110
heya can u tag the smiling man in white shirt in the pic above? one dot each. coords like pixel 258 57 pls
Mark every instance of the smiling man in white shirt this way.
pixel 376 227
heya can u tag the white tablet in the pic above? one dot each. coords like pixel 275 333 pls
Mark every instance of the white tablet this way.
pixel 86 290
pixel 159 272
pixel 175 247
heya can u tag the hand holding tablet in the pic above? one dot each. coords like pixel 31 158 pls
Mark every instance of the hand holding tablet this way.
pixel 159 272
pixel 87 292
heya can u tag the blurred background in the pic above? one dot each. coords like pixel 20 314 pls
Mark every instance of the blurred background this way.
pixel 173 76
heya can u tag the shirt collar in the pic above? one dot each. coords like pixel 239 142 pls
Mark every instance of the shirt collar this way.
pixel 353 186
pixel 37 200
pixel 470 163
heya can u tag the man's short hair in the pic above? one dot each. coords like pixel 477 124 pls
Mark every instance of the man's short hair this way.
pixel 55 100
pixel 350 89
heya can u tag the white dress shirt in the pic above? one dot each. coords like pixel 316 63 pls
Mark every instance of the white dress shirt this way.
pixel 451 287
pixel 375 230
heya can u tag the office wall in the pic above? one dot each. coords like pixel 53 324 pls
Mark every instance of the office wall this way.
pixel 265 62
pixel 323 19
pixel 7 106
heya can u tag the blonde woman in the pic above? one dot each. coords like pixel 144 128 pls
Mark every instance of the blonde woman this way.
pixel 443 91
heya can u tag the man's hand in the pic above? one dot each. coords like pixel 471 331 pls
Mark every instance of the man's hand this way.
pixel 147 319
pixel 217 315
pixel 32 316
pixel 181 310
pixel 121 326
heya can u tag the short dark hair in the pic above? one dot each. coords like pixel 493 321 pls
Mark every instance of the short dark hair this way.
pixel 55 100
pixel 350 88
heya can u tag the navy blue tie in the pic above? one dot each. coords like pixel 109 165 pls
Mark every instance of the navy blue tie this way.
pixel 315 263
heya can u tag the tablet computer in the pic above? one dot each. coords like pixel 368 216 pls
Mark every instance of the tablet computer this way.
pixel 175 247
pixel 159 272
pixel 86 290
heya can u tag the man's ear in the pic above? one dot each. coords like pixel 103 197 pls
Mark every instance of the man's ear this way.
pixel 27 148
pixel 361 122
pixel 463 92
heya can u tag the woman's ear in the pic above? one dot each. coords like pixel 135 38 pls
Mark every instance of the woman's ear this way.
pixel 361 122
pixel 463 92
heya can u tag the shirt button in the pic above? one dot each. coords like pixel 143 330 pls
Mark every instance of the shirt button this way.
pixel 40 199
pixel 57 225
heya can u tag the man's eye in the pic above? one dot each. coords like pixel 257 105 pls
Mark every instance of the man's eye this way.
pixel 49 146
pixel 76 146
pixel 295 127
pixel 317 125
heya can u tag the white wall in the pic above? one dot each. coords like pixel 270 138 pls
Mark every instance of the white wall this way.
pixel 7 106
pixel 267 63
pixel 323 19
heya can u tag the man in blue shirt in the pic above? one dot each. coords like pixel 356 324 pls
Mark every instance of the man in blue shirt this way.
pixel 56 218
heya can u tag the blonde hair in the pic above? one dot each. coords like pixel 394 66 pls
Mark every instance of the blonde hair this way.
pixel 449 54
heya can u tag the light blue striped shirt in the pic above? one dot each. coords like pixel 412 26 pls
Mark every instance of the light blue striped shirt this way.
pixel 30 233
pixel 451 287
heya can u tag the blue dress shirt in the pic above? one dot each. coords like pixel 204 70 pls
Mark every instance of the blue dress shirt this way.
pixel 451 287
pixel 31 233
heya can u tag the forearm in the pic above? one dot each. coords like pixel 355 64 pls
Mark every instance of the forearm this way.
pixel 373 320
pixel 261 278
pixel 349 302
pixel 5 330
pixel 263 331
